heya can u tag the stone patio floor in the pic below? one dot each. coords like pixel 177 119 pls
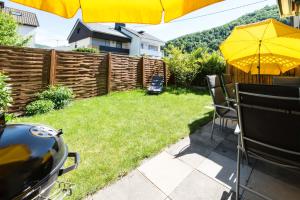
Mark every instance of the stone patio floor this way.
pixel 198 168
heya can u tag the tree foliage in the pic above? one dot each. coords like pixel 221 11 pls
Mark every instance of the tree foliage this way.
pixel 212 38
pixel 8 32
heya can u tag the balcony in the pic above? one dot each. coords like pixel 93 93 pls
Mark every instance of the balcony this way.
pixel 113 50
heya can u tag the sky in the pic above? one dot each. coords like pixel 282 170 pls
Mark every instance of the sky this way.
pixel 54 30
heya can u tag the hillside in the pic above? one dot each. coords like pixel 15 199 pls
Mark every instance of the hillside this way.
pixel 213 37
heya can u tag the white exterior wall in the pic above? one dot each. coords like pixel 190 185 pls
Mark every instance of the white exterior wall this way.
pixel 134 49
pixel 84 43
pixel 146 51
pixel 27 31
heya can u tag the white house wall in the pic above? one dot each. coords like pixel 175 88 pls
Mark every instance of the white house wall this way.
pixel 146 51
pixel 28 31
pixel 83 43
pixel 134 45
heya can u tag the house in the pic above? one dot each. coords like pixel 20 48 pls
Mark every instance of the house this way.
pixel 290 8
pixel 28 22
pixel 143 43
pixel 118 39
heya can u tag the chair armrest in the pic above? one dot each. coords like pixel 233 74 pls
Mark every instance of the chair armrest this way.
pixel 225 107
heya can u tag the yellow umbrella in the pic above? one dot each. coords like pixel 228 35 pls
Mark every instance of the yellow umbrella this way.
pixel 266 47
pixel 126 11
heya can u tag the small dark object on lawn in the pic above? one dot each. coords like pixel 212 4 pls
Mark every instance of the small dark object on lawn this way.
pixel 156 86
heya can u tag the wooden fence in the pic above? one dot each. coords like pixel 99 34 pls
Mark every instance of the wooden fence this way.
pixel 239 76
pixel 88 75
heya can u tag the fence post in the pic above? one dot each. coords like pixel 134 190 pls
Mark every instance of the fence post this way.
pixel 52 67
pixel 143 72
pixel 109 67
pixel 165 74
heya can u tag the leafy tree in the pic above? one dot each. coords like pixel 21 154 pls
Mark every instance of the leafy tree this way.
pixel 212 38
pixel 8 32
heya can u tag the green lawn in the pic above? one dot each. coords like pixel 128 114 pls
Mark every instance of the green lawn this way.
pixel 114 133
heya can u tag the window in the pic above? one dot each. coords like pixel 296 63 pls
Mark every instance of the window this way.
pixel 142 45
pixel 119 45
pixel 153 48
pixel 16 13
pixel 105 43
pixel 78 30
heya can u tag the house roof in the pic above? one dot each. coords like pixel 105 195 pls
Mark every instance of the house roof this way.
pixel 143 35
pixel 23 17
pixel 105 29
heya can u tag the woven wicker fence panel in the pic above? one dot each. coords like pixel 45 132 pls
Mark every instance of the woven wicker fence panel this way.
pixel 85 74
pixel 153 67
pixel 239 76
pixel 126 73
pixel 32 70
pixel 28 70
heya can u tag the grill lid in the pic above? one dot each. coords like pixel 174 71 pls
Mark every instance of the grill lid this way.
pixel 28 154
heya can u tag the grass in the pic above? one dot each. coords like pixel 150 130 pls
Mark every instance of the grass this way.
pixel 114 133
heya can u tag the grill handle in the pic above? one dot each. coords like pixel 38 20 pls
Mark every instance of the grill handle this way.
pixel 74 155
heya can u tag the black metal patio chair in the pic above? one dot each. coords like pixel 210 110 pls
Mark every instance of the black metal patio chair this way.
pixel 269 122
pixel 222 109
pixel 229 89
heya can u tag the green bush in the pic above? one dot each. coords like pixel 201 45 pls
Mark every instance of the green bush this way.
pixel 61 96
pixel 39 107
pixel 214 64
pixel 5 93
pixel 87 50
pixel 184 66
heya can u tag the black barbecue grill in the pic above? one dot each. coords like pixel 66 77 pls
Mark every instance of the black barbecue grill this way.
pixel 31 159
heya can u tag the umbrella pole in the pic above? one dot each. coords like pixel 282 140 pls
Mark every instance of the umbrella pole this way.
pixel 258 67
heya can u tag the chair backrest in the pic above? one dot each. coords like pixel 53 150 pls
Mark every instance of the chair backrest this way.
pixel 216 91
pixel 269 118
pixel 228 86
pixel 286 80
pixel 157 80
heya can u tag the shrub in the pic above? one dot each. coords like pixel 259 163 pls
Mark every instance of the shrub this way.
pixel 87 50
pixel 214 64
pixel 61 96
pixel 39 107
pixel 184 66
pixel 5 93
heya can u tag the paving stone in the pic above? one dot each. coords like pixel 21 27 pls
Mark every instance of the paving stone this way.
pixel 165 171
pixel 191 151
pixel 218 132
pixel 198 186
pixel 223 170
pixel 232 137
pixel 228 149
pixel 132 187
pixel 274 182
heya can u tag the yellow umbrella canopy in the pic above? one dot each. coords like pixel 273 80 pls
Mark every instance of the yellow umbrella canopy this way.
pixel 266 47
pixel 126 11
